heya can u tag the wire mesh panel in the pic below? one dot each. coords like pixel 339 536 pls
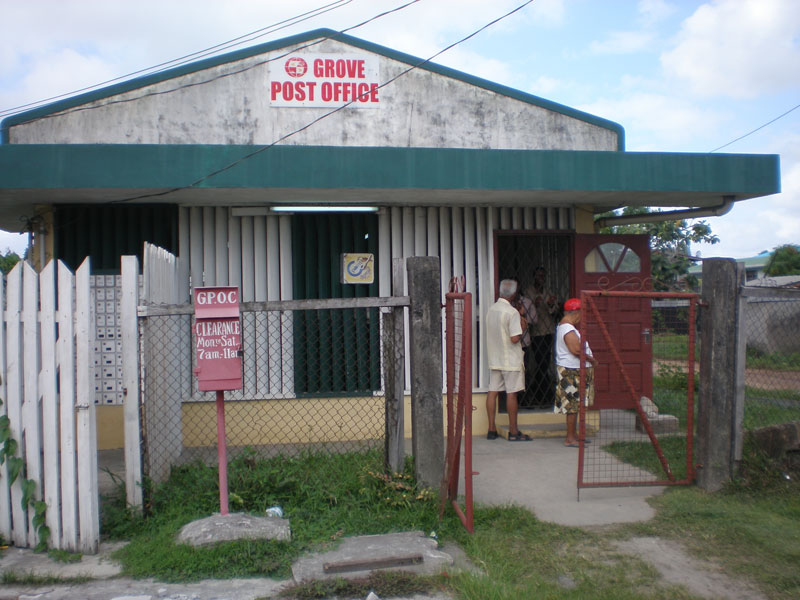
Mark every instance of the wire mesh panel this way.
pixel 772 356
pixel 312 381
pixel 648 443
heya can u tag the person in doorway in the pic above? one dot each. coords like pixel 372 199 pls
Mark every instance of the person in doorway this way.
pixel 524 305
pixel 504 329
pixel 568 372
pixel 541 348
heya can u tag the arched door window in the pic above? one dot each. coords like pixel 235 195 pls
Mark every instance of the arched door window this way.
pixel 612 257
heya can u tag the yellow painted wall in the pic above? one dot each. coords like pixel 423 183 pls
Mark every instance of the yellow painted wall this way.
pixel 584 219
pixel 110 427
pixel 247 422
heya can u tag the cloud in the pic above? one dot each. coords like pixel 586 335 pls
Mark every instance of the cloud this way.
pixel 622 42
pixel 56 46
pixel 738 48
pixel 652 12
pixel 543 86
pixel 657 122
pixel 55 73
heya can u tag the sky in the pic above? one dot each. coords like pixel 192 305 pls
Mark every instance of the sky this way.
pixel 678 75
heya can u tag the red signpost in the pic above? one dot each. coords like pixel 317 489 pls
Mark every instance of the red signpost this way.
pixel 218 342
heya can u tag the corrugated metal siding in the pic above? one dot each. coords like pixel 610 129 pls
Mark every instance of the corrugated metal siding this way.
pixel 340 349
pixel 264 256
pixel 110 231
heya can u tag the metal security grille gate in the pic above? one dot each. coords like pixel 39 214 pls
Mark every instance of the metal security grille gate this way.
pixel 458 353
pixel 647 437
pixel 313 381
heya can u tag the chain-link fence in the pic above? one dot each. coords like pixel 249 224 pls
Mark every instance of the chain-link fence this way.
pixel 312 381
pixel 771 324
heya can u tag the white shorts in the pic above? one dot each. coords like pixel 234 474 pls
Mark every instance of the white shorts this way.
pixel 506 381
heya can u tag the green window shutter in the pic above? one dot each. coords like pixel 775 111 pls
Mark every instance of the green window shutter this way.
pixel 336 351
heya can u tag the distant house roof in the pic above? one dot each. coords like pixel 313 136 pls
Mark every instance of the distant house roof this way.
pixel 752 263
pixel 781 281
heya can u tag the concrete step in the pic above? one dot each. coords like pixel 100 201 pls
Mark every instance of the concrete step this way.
pixel 535 430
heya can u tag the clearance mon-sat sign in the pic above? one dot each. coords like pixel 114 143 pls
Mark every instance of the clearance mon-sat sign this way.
pixel 324 80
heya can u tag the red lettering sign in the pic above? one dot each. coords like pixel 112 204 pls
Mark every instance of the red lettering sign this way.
pixel 320 80
pixel 218 338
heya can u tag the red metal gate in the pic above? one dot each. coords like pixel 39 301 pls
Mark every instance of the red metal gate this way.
pixel 458 350
pixel 652 443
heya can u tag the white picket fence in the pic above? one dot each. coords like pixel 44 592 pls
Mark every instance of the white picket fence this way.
pixel 47 366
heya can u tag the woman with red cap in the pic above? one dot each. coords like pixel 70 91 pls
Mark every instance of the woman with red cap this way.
pixel 568 352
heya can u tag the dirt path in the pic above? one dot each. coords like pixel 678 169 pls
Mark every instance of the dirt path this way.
pixel 765 379
pixel 701 578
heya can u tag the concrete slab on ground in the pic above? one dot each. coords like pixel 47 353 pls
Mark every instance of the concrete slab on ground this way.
pixel 233 526
pixel 356 557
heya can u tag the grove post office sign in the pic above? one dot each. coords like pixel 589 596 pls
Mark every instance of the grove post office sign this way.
pixel 218 338
pixel 325 80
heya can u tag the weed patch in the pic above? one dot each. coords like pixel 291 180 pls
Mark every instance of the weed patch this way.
pixel 385 585
pixel 325 497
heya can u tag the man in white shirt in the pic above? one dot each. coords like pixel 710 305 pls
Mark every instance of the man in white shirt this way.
pixel 504 329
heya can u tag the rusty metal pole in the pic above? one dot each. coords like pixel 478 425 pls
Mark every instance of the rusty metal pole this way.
pixel 222 454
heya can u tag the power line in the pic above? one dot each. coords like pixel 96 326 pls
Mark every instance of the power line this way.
pixel 334 111
pixel 324 116
pixel 216 77
pixel 176 62
pixel 756 129
pixel 318 41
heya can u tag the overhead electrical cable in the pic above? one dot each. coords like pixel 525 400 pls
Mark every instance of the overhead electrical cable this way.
pixel 749 133
pixel 237 41
pixel 28 220
pixel 324 116
pixel 221 75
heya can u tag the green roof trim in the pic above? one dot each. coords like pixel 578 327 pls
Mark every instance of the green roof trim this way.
pixel 141 166
pixel 302 38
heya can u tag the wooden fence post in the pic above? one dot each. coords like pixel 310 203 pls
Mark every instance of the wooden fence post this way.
pixel 394 363
pixel 716 416
pixel 86 420
pixel 129 304
pixel 425 316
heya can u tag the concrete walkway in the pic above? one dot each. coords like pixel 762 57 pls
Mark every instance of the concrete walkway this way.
pixel 540 475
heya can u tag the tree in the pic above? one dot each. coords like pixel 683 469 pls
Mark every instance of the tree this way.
pixel 785 260
pixel 669 243
pixel 8 260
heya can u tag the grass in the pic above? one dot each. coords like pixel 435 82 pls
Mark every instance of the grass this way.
pixel 675 346
pixel 751 528
pixel 324 496
pixel 751 532
pixel 762 406
pixel 782 406
pixel 776 362
pixel 516 555
pixel 643 455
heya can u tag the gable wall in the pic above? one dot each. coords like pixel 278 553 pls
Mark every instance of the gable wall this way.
pixel 421 109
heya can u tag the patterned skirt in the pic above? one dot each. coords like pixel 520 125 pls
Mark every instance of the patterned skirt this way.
pixel 567 386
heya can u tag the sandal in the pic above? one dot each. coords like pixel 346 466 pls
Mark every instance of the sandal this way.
pixel 492 435
pixel 519 437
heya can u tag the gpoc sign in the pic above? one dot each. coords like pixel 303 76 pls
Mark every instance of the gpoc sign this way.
pixel 218 339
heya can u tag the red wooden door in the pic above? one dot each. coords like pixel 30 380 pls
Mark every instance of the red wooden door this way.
pixel 619 263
